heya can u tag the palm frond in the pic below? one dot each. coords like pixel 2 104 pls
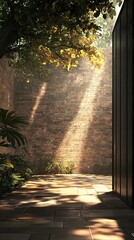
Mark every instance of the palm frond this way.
pixel 9 119
pixel 5 144
pixel 12 136
pixel 10 129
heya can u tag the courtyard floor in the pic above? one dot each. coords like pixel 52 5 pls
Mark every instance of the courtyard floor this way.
pixel 65 207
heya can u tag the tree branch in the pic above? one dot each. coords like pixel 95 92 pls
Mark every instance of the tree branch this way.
pixel 8 35
pixel 11 6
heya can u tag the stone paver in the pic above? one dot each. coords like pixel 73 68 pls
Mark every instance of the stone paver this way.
pixel 38 236
pixel 71 234
pixel 16 236
pixel 112 233
pixel 65 207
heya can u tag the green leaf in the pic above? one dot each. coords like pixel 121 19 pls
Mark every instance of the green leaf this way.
pixel 10 129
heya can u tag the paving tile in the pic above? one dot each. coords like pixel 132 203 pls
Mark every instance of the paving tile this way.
pixel 102 222
pixel 52 190
pixel 67 199
pixel 101 188
pixel 18 196
pixel 19 210
pixel 40 196
pixel 97 213
pixel 38 236
pixel 67 213
pixel 57 224
pixel 75 206
pixel 108 196
pixel 9 218
pixel 66 207
pixel 91 191
pixel 42 211
pixel 88 199
pixel 45 203
pixel 15 236
pixel 70 224
pixel 123 212
pixel 82 191
pixel 24 229
pixel 24 206
pixel 94 206
pixel 69 219
pixel 23 224
pixel 109 233
pixel 127 223
pixel 42 220
pixel 71 234
pixel 115 203
pixel 5 214
pixel 8 203
pixel 68 190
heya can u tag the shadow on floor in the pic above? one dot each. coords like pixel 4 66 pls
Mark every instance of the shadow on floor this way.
pixel 69 207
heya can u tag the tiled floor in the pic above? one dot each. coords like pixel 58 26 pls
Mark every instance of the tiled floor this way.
pixel 65 207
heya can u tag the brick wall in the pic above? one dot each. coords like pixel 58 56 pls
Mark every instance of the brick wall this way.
pixel 6 85
pixel 6 90
pixel 70 115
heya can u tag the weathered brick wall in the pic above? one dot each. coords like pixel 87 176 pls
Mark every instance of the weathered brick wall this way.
pixel 6 90
pixel 70 115
pixel 6 85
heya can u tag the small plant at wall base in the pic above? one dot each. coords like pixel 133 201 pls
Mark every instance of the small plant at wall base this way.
pixel 13 169
pixel 59 167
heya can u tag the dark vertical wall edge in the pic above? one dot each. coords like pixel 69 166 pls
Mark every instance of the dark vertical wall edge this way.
pixel 132 7
pixel 123 105
pixel 113 111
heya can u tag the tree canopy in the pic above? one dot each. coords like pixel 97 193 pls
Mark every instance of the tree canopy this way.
pixel 52 31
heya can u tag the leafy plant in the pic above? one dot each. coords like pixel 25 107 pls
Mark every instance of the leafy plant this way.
pixel 59 167
pixel 13 170
pixel 10 129
pixel 21 166
pixel 6 168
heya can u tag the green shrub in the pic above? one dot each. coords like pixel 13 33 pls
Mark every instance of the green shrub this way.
pixel 13 172
pixel 13 169
pixel 59 167
pixel 21 166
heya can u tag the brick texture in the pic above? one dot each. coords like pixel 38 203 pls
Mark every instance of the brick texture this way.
pixel 6 85
pixel 71 117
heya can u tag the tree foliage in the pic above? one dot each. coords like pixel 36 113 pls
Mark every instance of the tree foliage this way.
pixel 52 31
pixel 104 37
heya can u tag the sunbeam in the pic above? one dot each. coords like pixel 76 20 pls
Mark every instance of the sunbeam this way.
pixel 37 102
pixel 72 145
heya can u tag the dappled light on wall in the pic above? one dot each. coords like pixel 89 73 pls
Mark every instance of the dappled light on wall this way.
pixel 38 100
pixel 71 147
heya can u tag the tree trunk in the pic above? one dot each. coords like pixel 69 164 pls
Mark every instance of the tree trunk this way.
pixel 8 36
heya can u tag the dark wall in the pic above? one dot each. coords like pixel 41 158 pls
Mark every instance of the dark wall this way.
pixel 123 104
